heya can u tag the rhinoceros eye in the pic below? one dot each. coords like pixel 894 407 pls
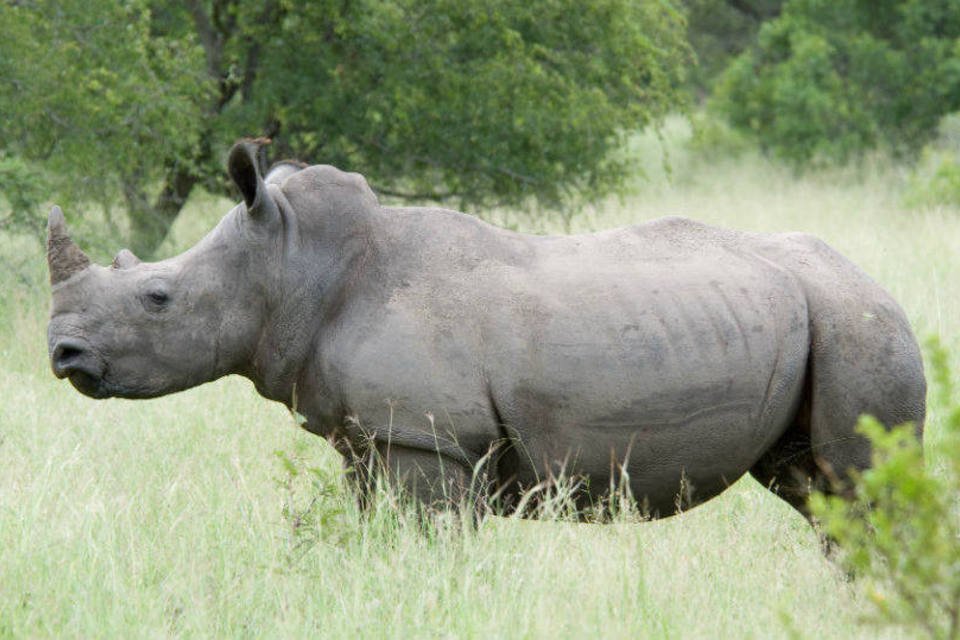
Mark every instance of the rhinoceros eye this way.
pixel 156 300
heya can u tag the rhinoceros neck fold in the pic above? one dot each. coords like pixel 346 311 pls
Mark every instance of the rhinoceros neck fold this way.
pixel 320 279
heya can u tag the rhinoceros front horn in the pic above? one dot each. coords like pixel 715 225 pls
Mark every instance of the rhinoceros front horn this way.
pixel 63 256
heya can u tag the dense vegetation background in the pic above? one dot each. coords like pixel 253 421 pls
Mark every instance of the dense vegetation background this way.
pixel 127 108
pixel 175 517
pixel 481 103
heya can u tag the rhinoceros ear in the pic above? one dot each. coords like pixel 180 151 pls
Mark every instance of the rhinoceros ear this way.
pixel 244 169
pixel 125 259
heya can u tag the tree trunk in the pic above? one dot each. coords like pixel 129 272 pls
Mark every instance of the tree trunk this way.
pixel 150 222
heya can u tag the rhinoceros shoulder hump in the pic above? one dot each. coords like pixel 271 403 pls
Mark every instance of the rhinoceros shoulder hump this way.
pixel 331 185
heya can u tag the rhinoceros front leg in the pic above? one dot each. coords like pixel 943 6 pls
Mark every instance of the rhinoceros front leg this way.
pixel 430 479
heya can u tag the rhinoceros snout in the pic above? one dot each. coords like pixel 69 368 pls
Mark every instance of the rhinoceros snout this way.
pixel 73 359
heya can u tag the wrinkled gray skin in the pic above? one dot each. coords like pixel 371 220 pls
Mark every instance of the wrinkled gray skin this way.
pixel 671 356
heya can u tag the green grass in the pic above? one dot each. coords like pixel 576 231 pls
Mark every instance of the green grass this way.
pixel 166 518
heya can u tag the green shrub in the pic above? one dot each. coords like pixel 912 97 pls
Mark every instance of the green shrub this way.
pixel 830 79
pixel 21 190
pixel 314 505
pixel 481 104
pixel 715 138
pixel 900 535
pixel 936 182
pixel 935 179
pixel 719 30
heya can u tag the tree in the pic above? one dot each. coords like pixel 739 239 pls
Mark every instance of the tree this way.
pixel 829 79
pixel 488 102
pixel 720 30
pixel 96 101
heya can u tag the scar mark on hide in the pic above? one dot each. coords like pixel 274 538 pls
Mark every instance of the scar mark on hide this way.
pixel 732 310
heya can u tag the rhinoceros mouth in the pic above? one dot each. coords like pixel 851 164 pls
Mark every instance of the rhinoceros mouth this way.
pixel 101 387
pixel 73 358
pixel 88 384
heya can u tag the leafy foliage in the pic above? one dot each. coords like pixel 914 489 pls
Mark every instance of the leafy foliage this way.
pixel 828 80
pixel 98 102
pixel 722 29
pixel 901 531
pixel 940 186
pixel 487 102
pixel 490 102
pixel 22 189
pixel 313 503
pixel 935 178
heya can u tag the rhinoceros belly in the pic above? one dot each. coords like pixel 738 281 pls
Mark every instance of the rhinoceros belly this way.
pixel 673 376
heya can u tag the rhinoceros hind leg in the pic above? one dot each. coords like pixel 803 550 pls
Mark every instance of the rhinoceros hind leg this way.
pixel 863 359
pixel 789 469
pixel 863 365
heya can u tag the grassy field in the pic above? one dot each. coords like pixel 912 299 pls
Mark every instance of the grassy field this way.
pixel 176 517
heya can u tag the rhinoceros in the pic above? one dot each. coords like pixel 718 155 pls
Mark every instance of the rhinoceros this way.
pixel 671 356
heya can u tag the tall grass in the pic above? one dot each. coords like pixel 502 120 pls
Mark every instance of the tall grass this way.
pixel 176 517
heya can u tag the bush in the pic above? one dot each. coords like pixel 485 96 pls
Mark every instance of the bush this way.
pixel 482 104
pixel 935 180
pixel 720 30
pixel 21 190
pixel 901 533
pixel 828 80
pixel 938 185
pixel 715 138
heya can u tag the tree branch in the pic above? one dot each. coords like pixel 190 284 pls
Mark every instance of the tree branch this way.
pixel 212 44
pixel 176 189
pixel 271 14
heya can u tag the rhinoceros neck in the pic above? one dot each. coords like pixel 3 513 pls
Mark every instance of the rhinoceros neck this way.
pixel 320 276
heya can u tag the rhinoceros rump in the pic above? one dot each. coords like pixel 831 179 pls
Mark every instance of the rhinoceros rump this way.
pixel 666 355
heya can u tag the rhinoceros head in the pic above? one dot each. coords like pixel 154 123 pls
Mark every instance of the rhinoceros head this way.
pixel 140 329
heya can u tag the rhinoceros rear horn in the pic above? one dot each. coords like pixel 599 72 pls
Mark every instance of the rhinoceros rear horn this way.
pixel 244 168
pixel 63 256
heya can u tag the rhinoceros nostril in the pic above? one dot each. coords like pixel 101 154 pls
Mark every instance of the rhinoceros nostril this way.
pixel 66 357
pixel 68 353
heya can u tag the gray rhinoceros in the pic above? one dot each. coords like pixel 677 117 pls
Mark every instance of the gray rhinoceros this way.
pixel 667 356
